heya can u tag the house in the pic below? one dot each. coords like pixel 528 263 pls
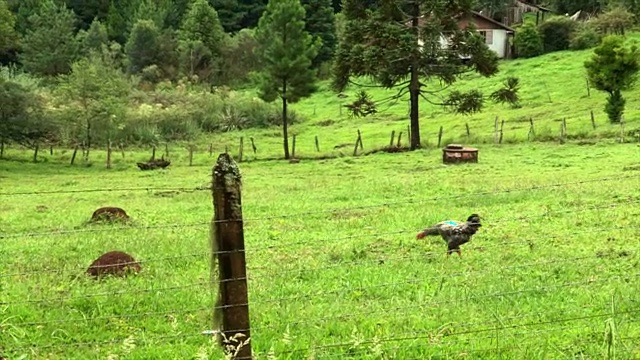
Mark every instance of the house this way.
pixel 497 36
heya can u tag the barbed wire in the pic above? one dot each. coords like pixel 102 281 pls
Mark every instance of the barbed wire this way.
pixel 105 342
pixel 132 189
pixel 212 222
pixel 528 241
pixel 414 281
pixel 110 317
pixel 422 335
pixel 109 293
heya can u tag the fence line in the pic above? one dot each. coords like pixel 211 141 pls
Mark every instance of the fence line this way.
pixel 308 213
pixel 88 296
pixel 422 335
pixel 282 270
pixel 52 192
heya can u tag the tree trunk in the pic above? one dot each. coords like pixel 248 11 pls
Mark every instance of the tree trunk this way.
pixel 285 130
pixel 414 85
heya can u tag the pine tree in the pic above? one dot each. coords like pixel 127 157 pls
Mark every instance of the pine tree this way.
pixel 320 21
pixel 286 51
pixel 392 41
pixel 49 45
pixel 142 48
pixel 8 34
pixel 94 38
pixel 202 40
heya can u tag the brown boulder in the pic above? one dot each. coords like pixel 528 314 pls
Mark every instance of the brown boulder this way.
pixel 154 164
pixel 115 263
pixel 109 214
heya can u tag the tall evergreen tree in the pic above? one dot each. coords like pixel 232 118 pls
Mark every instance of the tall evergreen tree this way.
pixel 398 44
pixel 94 38
pixel 8 34
pixel 49 45
pixel 320 21
pixel 88 10
pixel 286 51
pixel 202 40
pixel 231 17
pixel 142 48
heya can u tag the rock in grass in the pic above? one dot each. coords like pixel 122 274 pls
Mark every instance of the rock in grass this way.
pixel 116 263
pixel 109 214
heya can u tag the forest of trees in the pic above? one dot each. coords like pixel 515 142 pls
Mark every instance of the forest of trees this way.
pixel 144 71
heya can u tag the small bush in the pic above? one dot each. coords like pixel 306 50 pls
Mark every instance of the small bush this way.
pixel 556 33
pixel 528 41
pixel 585 37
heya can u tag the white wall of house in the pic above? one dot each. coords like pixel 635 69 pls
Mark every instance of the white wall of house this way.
pixel 496 40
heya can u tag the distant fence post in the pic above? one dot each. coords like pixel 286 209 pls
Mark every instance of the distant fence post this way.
pixel 229 253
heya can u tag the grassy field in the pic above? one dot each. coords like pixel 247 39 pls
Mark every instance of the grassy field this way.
pixel 335 270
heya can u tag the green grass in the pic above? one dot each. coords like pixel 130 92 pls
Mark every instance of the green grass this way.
pixel 333 258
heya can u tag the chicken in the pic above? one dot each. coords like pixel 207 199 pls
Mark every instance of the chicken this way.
pixel 454 233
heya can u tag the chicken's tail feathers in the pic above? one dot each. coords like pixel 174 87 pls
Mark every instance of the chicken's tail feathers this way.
pixel 428 232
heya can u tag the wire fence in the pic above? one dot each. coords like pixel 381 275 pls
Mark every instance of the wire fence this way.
pixel 385 303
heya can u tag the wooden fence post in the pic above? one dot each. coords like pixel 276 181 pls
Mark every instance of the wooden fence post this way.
pixel 393 135
pixel 440 136
pixel 593 120
pixel 210 149
pixel 153 153
pixel 253 146
pixel 532 132
pixel 360 139
pixel 75 152
pixel 35 153
pixel 51 150
pixel 399 138
pixel 190 155
pixel 227 242
pixel 166 150
pixel 317 144
pixel 495 131
pixel 109 154
pixel 241 150
pixel 293 147
pixel 501 132
pixel 468 131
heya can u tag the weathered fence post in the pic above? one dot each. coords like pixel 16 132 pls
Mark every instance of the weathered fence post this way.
pixel 593 120
pixel 501 132
pixel 532 131
pixel 293 147
pixel 440 136
pixel 399 139
pixel 35 153
pixel 393 135
pixel 190 155
pixel 153 153
pixel 495 131
pixel 166 150
pixel 360 140
pixel 227 242
pixel 75 152
pixel 317 144
pixel 253 146
pixel 241 149
pixel 468 131
pixel 1 149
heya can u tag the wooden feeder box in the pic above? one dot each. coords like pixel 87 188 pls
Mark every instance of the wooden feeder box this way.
pixel 456 153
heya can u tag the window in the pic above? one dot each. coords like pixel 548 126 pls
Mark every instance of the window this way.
pixel 487 35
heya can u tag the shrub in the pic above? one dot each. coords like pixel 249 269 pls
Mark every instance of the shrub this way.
pixel 585 37
pixel 528 41
pixel 556 33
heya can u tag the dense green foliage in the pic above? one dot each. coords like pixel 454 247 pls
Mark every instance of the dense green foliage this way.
pixel 613 69
pixel 556 33
pixel 528 42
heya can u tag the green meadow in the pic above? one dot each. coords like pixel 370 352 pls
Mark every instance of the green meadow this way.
pixel 335 270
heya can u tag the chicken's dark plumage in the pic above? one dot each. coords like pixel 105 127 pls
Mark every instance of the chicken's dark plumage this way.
pixel 454 233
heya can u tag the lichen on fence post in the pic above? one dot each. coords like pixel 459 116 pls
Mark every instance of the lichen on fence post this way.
pixel 227 240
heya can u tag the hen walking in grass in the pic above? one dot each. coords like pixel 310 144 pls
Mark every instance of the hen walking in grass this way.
pixel 454 233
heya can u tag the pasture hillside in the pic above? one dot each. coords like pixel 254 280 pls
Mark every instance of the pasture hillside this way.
pixel 334 268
